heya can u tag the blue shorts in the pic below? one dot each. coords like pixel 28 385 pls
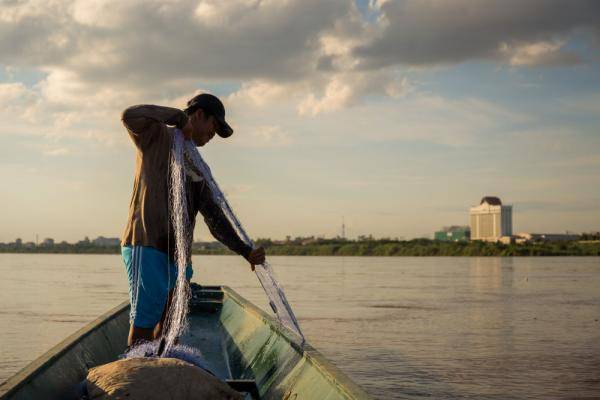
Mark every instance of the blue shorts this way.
pixel 151 275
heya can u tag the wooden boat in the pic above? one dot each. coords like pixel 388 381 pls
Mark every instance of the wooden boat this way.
pixel 242 343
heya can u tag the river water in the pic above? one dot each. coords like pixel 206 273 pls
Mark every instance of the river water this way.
pixel 485 328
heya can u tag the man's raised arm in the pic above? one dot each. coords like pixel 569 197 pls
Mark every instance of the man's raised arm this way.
pixel 145 121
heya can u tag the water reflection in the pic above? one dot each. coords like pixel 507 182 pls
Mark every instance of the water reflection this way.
pixel 444 328
pixel 491 275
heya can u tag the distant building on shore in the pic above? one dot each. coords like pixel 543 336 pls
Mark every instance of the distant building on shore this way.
pixel 490 220
pixel 102 241
pixel 48 242
pixel 453 233
pixel 545 237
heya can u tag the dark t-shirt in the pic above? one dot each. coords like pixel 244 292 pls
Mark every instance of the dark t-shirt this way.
pixel 148 223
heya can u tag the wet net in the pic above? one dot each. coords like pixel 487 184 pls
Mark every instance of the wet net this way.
pixel 185 154
pixel 176 321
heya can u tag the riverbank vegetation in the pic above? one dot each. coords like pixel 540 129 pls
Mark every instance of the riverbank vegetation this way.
pixel 364 246
pixel 426 247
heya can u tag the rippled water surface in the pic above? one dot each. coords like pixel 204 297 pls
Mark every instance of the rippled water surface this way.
pixel 487 328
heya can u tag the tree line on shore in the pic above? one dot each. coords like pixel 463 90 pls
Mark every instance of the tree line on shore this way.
pixel 427 247
pixel 364 246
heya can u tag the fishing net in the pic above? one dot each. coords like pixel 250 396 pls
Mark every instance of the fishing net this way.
pixel 176 321
pixel 182 352
pixel 186 155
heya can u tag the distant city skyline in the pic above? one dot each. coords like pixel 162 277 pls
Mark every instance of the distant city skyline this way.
pixel 394 115
pixel 39 241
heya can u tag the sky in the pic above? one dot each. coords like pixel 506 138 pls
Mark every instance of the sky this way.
pixel 393 116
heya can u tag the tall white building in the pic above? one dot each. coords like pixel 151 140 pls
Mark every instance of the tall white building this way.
pixel 490 220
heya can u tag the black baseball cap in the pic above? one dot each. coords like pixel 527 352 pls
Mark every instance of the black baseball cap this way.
pixel 211 105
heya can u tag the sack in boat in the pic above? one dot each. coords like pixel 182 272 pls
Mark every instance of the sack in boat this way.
pixel 155 378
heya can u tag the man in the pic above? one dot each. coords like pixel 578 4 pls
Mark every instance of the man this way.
pixel 148 242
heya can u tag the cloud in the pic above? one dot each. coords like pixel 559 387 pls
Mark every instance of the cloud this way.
pixel 539 53
pixel 414 117
pixel 259 93
pixel 56 152
pixel 100 57
pixel 429 32
pixel 426 118
pixel 62 106
pixel 15 96
pixel 143 42
pixel 137 44
pixel 263 136
pixel 348 89
pixel 322 93
pixel 290 57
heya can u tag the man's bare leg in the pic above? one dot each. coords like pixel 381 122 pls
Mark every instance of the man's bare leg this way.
pixel 137 335
pixel 162 325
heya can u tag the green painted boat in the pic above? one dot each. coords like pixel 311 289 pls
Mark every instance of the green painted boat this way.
pixel 242 344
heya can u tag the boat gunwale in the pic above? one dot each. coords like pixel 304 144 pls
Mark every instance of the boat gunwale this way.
pixel 40 364
pixel 312 355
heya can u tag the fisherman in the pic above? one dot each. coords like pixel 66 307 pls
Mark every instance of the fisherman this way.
pixel 148 242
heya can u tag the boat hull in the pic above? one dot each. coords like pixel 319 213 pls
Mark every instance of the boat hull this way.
pixel 238 340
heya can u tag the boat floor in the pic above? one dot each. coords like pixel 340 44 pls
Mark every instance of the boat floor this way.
pixel 207 336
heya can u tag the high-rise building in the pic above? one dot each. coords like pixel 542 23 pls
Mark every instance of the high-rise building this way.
pixel 490 220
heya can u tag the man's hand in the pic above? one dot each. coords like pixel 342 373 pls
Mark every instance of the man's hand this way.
pixel 256 256
pixel 187 130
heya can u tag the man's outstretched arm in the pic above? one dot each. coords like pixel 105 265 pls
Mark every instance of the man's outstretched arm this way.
pixel 220 227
